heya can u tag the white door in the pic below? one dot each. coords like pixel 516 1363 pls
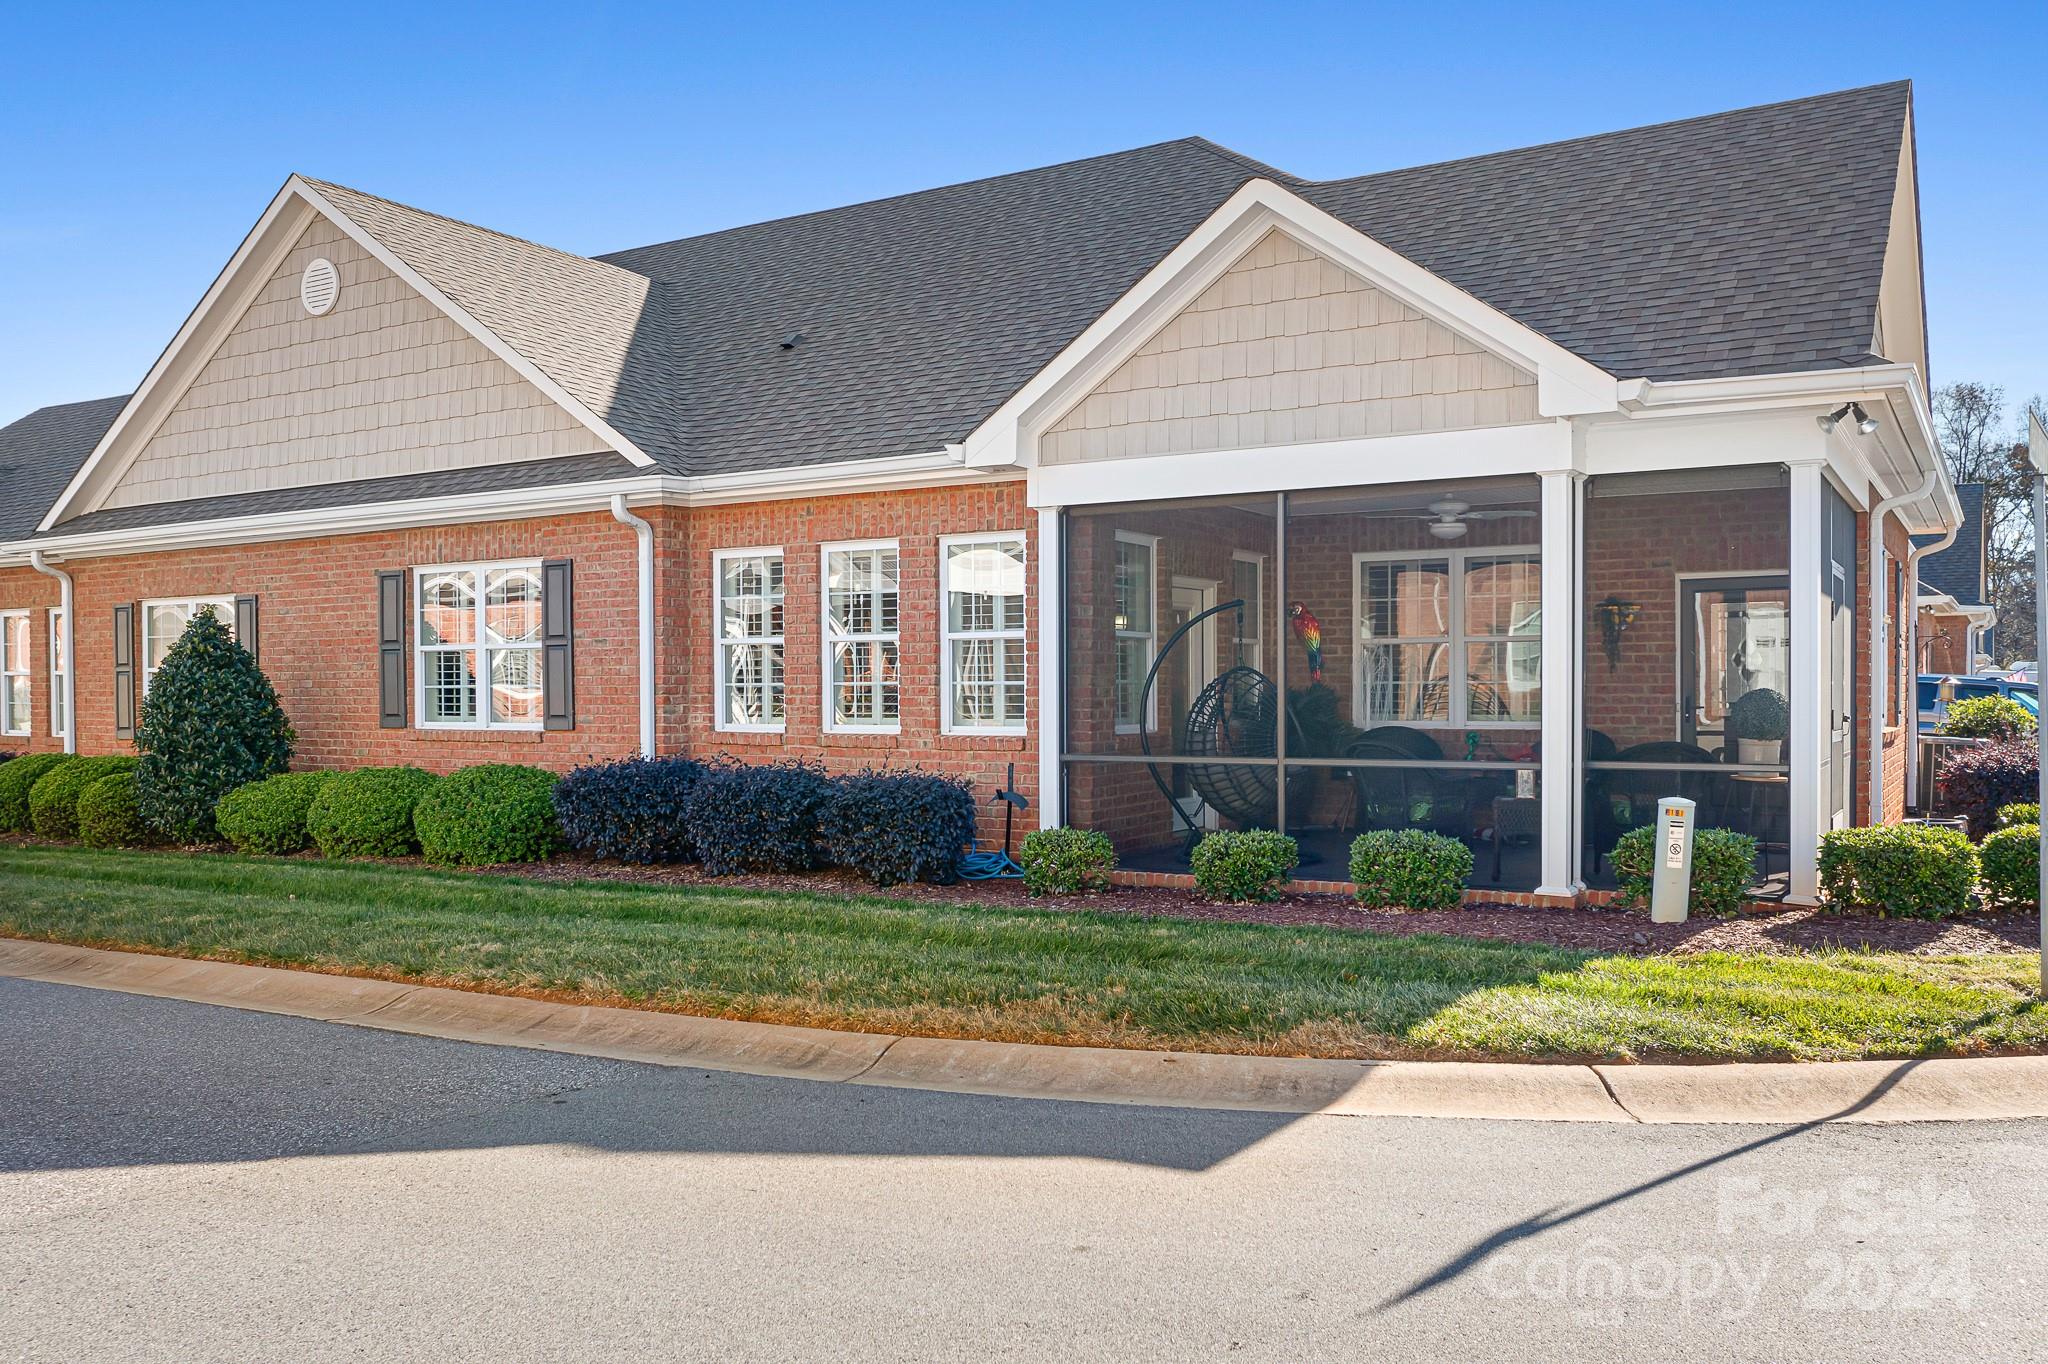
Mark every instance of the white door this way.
pixel 1196 670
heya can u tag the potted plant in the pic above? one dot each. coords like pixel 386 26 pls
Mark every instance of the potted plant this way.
pixel 1757 721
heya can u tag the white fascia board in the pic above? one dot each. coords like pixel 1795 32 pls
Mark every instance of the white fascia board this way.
pixel 1895 461
pixel 1567 384
pixel 1488 452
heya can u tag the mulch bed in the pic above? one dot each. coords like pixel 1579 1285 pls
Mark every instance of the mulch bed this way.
pixel 1592 930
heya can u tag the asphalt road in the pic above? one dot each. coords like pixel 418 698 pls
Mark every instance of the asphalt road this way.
pixel 185 1182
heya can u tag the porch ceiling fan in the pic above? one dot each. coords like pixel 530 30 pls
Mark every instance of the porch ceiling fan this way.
pixel 1447 516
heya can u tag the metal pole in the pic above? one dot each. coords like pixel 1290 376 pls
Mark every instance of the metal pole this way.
pixel 2040 730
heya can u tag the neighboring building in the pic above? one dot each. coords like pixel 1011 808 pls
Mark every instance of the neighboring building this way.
pixel 1956 619
pixel 1554 447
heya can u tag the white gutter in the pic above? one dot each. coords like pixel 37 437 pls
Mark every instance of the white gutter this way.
pixel 1909 623
pixel 42 565
pixel 1912 625
pixel 643 533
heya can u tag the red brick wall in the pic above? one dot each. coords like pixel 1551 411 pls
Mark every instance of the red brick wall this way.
pixel 317 611
pixel 1636 548
pixel 1944 642
pixel 915 520
pixel 1899 686
pixel 24 588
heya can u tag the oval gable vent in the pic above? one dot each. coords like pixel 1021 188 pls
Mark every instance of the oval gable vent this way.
pixel 319 286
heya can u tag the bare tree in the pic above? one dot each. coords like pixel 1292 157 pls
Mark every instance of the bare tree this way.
pixel 1975 427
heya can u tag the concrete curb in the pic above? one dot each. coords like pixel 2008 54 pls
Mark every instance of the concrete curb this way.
pixel 1793 1093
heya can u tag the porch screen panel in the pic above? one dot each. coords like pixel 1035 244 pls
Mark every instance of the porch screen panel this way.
pixel 1686 666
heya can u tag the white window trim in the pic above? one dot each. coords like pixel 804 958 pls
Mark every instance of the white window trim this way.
pixel 719 640
pixel 1150 634
pixel 23 670
pixel 947 634
pixel 224 611
pixel 827 637
pixel 1255 612
pixel 1456 640
pixel 58 728
pixel 477 646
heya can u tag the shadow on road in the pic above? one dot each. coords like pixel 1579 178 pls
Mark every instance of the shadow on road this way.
pixel 93 1079
pixel 1552 1218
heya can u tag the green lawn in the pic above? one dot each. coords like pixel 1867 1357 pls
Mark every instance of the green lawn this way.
pixel 886 965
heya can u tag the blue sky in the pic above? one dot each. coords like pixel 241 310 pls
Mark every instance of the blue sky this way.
pixel 141 142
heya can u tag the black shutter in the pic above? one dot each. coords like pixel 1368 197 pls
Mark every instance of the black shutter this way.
pixel 124 672
pixel 245 625
pixel 557 645
pixel 391 649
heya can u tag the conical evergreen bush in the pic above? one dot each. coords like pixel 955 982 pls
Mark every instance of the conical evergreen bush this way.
pixel 210 722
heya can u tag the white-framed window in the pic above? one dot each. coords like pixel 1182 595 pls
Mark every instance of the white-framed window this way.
pixel 60 719
pixel 862 598
pixel 1134 592
pixel 477 643
pixel 164 622
pixel 1451 639
pixel 981 660
pixel 1248 585
pixel 14 706
pixel 747 624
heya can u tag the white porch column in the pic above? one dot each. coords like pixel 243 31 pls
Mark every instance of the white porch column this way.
pixel 1563 667
pixel 1051 688
pixel 1809 730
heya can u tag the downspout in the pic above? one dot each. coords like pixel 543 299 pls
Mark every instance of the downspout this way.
pixel 1913 558
pixel 42 565
pixel 643 533
pixel 1880 669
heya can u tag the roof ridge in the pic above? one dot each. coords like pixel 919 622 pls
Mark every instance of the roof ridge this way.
pixel 1202 143
pixel 1905 84
pixel 464 223
pixel 1252 164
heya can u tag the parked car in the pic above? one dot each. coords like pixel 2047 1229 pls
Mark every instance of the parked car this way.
pixel 1933 707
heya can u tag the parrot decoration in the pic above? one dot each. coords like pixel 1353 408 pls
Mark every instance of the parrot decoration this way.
pixel 1309 631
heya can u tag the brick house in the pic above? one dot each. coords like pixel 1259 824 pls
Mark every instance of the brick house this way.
pixel 1555 455
pixel 1956 620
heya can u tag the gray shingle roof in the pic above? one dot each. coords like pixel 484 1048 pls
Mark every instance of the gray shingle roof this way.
pixel 1959 569
pixel 537 473
pixel 1744 242
pixel 39 454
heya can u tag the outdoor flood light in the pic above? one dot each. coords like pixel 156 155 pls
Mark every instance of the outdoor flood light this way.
pixel 1865 423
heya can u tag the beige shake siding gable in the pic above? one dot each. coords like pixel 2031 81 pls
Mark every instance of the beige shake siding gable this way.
pixel 1287 346
pixel 383 385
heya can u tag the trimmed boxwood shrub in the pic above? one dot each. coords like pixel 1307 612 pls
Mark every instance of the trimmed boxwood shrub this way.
pixel 53 800
pixel 1066 861
pixel 210 722
pixel 269 816
pixel 1239 865
pixel 17 778
pixel 756 817
pixel 897 826
pixel 2022 812
pixel 1987 717
pixel 1723 868
pixel 1908 870
pixel 1979 782
pixel 490 814
pixel 630 810
pixel 368 812
pixel 2011 864
pixel 108 816
pixel 1411 868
